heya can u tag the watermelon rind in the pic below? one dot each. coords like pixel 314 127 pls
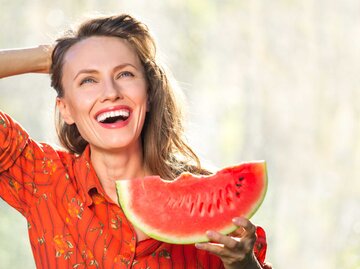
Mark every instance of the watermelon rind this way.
pixel 124 199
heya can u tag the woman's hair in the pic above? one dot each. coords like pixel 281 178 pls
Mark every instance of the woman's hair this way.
pixel 164 149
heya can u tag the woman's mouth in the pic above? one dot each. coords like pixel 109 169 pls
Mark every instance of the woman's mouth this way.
pixel 114 117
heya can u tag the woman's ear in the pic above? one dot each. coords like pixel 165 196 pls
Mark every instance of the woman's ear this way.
pixel 64 110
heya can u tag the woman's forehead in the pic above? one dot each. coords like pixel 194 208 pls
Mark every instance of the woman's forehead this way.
pixel 100 51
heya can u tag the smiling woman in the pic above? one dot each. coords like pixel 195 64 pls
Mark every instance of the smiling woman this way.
pixel 118 118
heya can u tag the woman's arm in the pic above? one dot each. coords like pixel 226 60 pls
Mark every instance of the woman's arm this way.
pixel 28 60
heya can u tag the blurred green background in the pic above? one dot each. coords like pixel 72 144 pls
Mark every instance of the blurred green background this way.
pixel 275 80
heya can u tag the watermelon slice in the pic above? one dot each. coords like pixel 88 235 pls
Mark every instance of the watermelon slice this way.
pixel 181 211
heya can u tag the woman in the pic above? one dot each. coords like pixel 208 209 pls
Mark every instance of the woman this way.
pixel 117 119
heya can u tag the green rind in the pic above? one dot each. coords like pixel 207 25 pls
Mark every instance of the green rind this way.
pixel 257 205
pixel 122 192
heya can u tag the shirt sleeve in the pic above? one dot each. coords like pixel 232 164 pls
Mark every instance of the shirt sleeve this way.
pixel 26 167
pixel 260 248
pixel 13 140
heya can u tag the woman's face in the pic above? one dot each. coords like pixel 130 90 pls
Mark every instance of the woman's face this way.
pixel 105 92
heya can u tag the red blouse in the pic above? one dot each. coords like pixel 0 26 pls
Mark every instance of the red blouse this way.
pixel 72 223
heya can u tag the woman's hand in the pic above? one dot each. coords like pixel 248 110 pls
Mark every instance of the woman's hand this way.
pixel 28 60
pixel 235 251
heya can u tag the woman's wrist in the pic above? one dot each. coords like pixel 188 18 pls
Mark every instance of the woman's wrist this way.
pixel 252 263
pixel 45 63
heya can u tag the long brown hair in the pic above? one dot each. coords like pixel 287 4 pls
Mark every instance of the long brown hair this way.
pixel 164 149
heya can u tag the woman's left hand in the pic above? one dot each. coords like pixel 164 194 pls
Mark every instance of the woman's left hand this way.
pixel 235 250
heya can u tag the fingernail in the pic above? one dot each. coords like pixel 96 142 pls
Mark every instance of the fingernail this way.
pixel 210 233
pixel 237 221
pixel 199 245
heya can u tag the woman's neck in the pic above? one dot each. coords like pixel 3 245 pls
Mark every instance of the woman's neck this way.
pixel 112 166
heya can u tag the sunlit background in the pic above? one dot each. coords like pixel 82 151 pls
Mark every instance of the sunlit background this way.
pixel 275 80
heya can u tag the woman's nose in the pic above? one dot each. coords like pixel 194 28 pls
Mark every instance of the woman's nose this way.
pixel 111 91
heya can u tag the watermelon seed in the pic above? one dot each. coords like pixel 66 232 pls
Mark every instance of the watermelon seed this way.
pixel 241 178
pixel 201 208
pixel 209 209
pixel 220 207
pixel 220 194
pixel 228 201
pixel 192 209
pixel 237 194
pixel 238 184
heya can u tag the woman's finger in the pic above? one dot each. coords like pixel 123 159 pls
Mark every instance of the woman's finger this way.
pixel 249 229
pixel 226 241
pixel 219 250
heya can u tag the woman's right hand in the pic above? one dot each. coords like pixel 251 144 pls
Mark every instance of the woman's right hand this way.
pixel 27 60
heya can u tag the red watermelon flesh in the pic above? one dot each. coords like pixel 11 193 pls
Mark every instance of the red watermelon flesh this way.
pixel 182 210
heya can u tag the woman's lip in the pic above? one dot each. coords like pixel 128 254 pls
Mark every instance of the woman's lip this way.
pixel 112 108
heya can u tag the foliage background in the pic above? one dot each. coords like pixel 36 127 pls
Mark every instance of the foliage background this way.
pixel 275 80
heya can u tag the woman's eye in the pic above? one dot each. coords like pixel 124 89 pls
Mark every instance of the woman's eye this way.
pixel 125 74
pixel 87 80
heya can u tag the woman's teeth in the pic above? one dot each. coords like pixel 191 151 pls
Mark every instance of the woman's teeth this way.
pixel 122 114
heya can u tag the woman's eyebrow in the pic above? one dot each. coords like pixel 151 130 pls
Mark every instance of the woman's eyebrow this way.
pixel 121 66
pixel 85 71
